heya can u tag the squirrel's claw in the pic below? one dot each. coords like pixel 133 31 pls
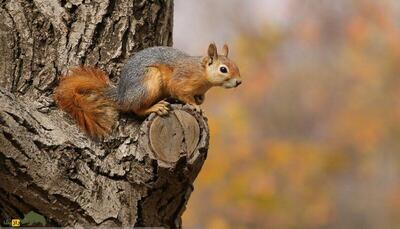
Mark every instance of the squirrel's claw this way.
pixel 161 108
pixel 164 103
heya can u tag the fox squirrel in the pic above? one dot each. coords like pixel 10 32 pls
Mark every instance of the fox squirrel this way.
pixel 149 77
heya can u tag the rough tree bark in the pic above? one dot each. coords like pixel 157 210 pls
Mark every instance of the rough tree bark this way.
pixel 142 175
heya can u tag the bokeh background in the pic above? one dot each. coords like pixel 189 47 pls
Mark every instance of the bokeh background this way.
pixel 311 139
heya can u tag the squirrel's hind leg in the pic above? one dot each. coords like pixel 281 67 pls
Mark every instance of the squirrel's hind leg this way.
pixel 151 103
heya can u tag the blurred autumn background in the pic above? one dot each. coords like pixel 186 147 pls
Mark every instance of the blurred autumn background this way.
pixel 311 139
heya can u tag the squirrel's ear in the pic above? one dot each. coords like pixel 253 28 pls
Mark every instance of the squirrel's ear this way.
pixel 212 51
pixel 225 50
pixel 205 61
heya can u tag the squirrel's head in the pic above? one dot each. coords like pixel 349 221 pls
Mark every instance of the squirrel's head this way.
pixel 220 70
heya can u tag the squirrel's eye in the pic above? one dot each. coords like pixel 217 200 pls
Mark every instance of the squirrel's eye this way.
pixel 223 69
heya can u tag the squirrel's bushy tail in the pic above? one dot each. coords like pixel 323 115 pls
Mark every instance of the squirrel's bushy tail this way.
pixel 82 94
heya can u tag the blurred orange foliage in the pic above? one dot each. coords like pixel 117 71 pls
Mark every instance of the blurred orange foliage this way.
pixel 311 139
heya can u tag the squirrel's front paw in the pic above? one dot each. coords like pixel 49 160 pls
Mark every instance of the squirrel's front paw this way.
pixel 199 99
pixel 161 108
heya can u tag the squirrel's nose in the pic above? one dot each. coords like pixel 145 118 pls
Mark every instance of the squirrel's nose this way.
pixel 238 82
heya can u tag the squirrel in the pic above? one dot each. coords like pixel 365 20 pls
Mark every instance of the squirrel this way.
pixel 148 78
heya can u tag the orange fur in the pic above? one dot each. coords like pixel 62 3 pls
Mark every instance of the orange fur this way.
pixel 153 83
pixel 187 84
pixel 165 71
pixel 81 95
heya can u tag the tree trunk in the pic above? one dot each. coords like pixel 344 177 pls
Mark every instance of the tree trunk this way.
pixel 142 174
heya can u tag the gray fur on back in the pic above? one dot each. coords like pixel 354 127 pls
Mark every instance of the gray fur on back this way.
pixel 130 87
